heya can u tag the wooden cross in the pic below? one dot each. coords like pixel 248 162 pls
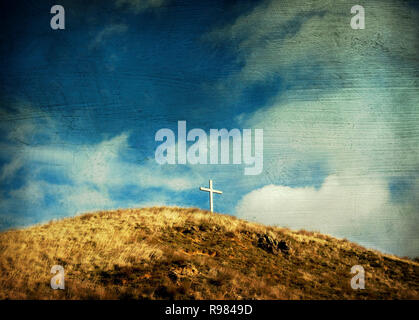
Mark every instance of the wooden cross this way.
pixel 211 191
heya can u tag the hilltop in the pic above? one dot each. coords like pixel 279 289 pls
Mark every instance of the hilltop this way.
pixel 174 253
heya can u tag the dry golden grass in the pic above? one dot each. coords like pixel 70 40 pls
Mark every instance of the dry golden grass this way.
pixel 174 253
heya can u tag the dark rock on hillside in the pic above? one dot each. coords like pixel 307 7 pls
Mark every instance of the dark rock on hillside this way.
pixel 271 245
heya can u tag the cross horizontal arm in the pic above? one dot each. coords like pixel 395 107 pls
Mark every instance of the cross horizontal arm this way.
pixel 210 190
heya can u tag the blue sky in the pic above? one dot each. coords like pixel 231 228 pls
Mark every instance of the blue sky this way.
pixel 339 108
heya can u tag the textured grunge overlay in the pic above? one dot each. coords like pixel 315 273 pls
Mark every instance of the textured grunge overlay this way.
pixel 81 102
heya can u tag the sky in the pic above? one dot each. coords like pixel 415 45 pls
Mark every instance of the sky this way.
pixel 339 109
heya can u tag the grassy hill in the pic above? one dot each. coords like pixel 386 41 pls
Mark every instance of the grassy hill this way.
pixel 164 253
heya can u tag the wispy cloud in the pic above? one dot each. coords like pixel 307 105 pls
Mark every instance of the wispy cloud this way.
pixel 138 6
pixel 107 32
pixel 63 178
pixel 298 39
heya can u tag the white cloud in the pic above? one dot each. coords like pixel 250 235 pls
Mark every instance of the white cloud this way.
pixel 103 164
pixel 360 211
pixel 328 208
pixel 365 143
pixel 80 198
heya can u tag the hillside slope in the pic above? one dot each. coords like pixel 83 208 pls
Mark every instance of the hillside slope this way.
pixel 163 253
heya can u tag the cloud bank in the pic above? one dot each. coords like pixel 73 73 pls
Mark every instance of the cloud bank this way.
pixel 348 102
